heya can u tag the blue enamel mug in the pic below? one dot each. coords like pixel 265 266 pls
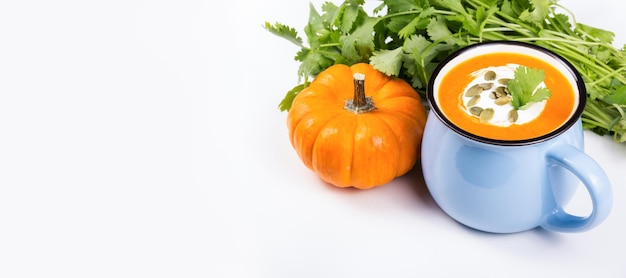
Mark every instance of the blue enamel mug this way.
pixel 508 186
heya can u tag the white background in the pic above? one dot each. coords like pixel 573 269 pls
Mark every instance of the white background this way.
pixel 143 139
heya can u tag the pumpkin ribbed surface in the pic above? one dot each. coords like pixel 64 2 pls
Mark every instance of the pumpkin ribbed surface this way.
pixel 359 149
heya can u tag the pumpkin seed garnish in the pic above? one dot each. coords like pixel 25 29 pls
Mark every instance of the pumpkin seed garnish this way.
pixel 492 95
pixel 486 86
pixel 477 89
pixel 500 91
pixel 475 110
pixel 513 115
pixel 486 114
pixel 504 81
pixel 503 100
pixel 490 75
pixel 473 91
pixel 473 101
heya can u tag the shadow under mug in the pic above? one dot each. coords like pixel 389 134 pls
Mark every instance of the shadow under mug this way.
pixel 507 186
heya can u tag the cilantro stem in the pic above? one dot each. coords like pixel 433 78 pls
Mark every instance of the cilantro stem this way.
pixel 568 48
pixel 595 115
pixel 506 19
pixel 412 12
pixel 570 14
pixel 614 74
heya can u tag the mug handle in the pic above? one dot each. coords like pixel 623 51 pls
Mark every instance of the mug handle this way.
pixel 593 178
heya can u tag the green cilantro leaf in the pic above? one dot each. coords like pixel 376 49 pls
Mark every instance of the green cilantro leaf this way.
pixel 507 8
pixel 285 104
pixel 349 17
pixel 539 95
pixel 419 22
pixel 420 53
pixel 330 14
pixel 453 5
pixel 515 8
pixel 358 45
pixel 312 62
pixel 523 87
pixel 285 32
pixel 315 29
pixel 593 32
pixel 397 23
pixel 618 97
pixel 413 61
pixel 465 17
pixel 561 23
pixel 396 6
pixel 356 2
pixel 482 16
pixel 538 13
pixel 491 3
pixel 388 61
pixel 438 30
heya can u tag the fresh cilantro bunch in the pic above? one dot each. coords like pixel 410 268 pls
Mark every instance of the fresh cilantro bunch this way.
pixel 408 38
pixel 524 87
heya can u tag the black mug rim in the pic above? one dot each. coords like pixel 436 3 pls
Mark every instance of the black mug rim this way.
pixel 575 117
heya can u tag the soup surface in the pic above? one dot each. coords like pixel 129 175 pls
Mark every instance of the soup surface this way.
pixel 492 71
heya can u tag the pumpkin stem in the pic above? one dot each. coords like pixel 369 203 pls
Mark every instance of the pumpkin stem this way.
pixel 360 103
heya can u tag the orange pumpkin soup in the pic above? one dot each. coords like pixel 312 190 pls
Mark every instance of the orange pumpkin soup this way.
pixel 550 114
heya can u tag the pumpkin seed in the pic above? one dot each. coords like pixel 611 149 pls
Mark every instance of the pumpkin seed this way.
pixel 475 110
pixel 513 116
pixel 504 81
pixel 473 91
pixel 492 95
pixel 473 101
pixel 490 75
pixel 486 86
pixel 503 100
pixel 500 92
pixel 486 114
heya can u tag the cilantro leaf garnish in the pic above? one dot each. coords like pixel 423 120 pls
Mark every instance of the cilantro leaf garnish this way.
pixel 524 87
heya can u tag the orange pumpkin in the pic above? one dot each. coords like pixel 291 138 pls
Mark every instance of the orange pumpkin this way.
pixel 355 126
